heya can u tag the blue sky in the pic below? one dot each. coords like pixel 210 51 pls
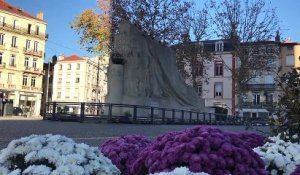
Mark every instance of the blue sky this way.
pixel 63 40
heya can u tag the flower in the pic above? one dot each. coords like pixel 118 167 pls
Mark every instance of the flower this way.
pixel 53 155
pixel 124 150
pixel 280 157
pixel 200 149
pixel 180 171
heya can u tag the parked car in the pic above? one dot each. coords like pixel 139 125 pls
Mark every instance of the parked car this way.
pixel 18 111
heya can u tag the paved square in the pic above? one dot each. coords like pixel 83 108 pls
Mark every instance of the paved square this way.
pixel 88 132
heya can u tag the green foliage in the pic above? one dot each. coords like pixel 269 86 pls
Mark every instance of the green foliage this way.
pixel 287 123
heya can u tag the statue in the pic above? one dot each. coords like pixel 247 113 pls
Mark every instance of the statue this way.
pixel 148 74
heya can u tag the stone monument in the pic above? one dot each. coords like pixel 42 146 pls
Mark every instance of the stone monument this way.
pixel 144 72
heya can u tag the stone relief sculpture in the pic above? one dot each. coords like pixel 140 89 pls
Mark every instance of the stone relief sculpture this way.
pixel 149 75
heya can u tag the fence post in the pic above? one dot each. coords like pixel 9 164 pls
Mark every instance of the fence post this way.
pixel 45 110
pixel 163 115
pixel 173 115
pixel 54 110
pixel 151 115
pixel 209 114
pixel 197 117
pixel 134 113
pixel 204 118
pixel 182 116
pixel 82 108
pixel 190 120
pixel 109 112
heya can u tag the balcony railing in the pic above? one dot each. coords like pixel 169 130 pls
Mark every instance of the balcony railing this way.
pixel 2 85
pixel 26 87
pixel 32 52
pixel 33 70
pixel 12 65
pixel 11 86
pixel 261 105
pixel 2 65
pixel 23 31
pixel 36 89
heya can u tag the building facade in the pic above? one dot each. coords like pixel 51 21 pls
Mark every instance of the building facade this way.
pixel 77 79
pixel 262 95
pixel 22 48
pixel 289 56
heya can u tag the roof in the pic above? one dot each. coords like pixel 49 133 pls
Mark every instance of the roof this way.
pixel 73 58
pixel 290 44
pixel 11 9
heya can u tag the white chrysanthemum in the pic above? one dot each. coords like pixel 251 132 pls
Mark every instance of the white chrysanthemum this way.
pixel 56 155
pixel 3 171
pixel 180 171
pixel 283 156
pixel 37 170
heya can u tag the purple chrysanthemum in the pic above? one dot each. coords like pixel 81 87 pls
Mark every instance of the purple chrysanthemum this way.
pixel 252 139
pixel 201 149
pixel 297 171
pixel 124 150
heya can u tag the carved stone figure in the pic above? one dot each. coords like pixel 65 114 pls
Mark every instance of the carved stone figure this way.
pixel 150 75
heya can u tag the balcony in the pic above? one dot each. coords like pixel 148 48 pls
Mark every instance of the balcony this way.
pixel 13 65
pixel 36 89
pixel 270 87
pixel 11 86
pixel 2 46
pixel 32 52
pixel 33 70
pixel 25 87
pixel 2 86
pixel 2 65
pixel 261 105
pixel 23 31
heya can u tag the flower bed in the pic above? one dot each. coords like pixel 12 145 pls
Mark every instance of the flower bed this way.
pixel 200 149
pixel 55 155
pixel 124 150
pixel 280 157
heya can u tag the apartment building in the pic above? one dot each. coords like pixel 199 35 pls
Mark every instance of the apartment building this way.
pixel 80 79
pixel 289 55
pixel 218 90
pixel 22 48
pixel 260 100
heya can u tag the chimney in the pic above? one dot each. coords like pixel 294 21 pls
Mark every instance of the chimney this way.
pixel 61 57
pixel 277 37
pixel 40 15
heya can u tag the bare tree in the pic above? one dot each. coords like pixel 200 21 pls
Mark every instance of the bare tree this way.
pixel 247 24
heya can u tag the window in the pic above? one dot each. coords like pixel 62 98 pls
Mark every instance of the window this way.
pixel 37 30
pixel 1 61
pixel 59 80
pixel 60 67
pixel 78 66
pixel 69 66
pixel 290 48
pixel 77 80
pixel 33 79
pixel 25 77
pixel 27 44
pixel 29 28
pixel 218 68
pixel 26 64
pixel 199 89
pixel 219 46
pixel 58 94
pixel 12 60
pixel 35 47
pixel 34 63
pixel 269 98
pixel 218 89
pixel 14 41
pixel 9 78
pixel 1 39
pixel 2 20
pixel 15 24
pixel 256 99
pixel 290 60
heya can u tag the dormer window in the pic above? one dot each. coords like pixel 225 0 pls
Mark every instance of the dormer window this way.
pixel 219 46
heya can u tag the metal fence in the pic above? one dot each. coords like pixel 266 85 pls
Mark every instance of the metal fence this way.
pixel 126 113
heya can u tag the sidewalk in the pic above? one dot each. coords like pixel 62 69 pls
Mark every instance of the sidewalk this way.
pixel 20 118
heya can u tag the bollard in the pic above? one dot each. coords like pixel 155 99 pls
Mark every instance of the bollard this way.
pixel 82 108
